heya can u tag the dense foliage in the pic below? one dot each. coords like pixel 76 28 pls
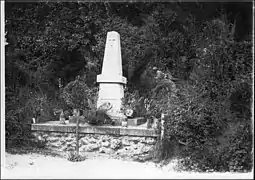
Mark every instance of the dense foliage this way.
pixel 76 94
pixel 190 61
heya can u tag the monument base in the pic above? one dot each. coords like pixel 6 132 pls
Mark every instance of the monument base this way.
pixel 110 93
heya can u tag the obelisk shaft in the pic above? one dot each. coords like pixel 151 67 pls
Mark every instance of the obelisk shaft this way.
pixel 112 64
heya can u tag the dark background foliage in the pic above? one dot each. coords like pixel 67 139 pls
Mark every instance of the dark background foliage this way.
pixel 203 50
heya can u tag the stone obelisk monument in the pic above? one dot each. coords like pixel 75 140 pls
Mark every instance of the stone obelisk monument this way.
pixel 111 81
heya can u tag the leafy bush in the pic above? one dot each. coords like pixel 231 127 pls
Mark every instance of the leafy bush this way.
pixel 134 101
pixel 76 93
pixel 19 113
pixel 208 122
pixel 96 116
pixel 235 152
pixel 208 136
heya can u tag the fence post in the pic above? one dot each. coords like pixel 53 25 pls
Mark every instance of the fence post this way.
pixel 162 125
pixel 77 136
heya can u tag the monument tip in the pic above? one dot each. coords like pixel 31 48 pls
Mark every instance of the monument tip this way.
pixel 112 32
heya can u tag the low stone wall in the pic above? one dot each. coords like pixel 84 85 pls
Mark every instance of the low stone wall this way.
pixel 118 146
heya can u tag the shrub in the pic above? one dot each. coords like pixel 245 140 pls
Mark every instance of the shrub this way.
pixel 134 101
pixel 20 109
pixel 208 124
pixel 94 115
pixel 98 117
pixel 76 94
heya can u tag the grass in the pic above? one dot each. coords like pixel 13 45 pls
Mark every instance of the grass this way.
pixel 74 157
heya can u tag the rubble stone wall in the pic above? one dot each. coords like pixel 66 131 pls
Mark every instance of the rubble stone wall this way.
pixel 121 146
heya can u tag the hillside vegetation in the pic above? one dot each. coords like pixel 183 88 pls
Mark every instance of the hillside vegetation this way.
pixel 202 53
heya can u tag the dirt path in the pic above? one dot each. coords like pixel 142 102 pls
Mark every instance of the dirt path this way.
pixel 41 166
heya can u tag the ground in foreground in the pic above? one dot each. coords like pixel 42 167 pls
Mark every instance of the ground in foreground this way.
pixel 35 165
